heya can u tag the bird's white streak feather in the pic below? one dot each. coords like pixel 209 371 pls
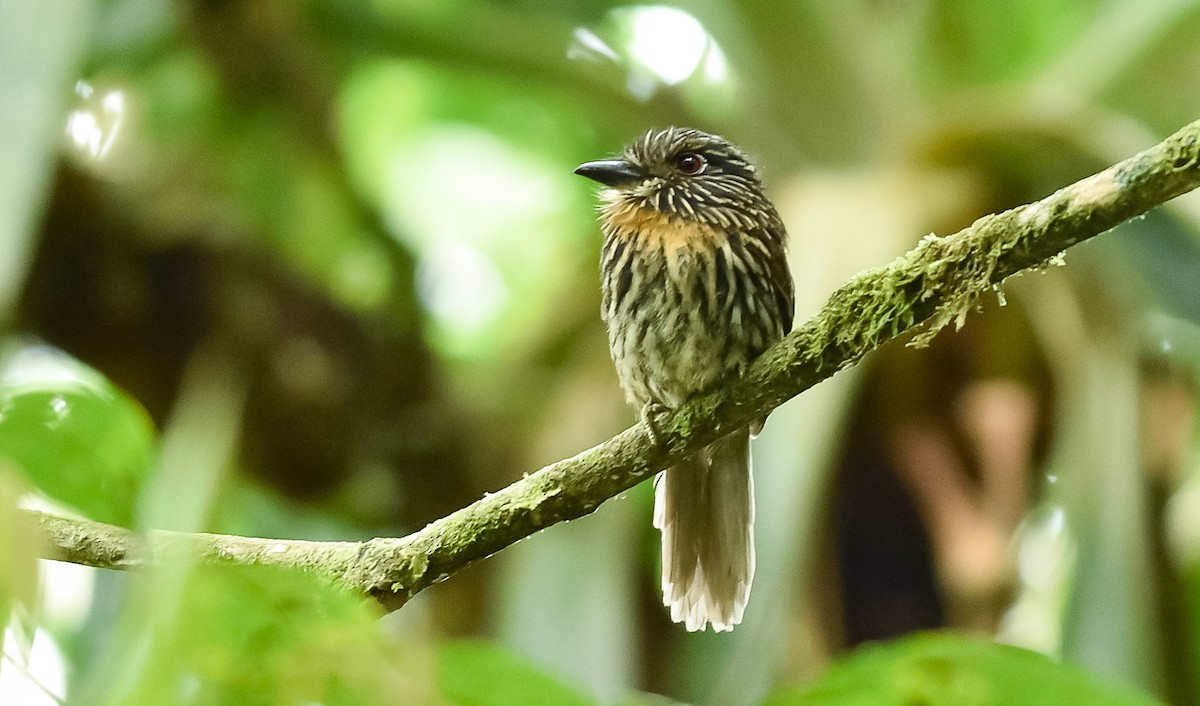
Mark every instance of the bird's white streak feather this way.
pixel 705 510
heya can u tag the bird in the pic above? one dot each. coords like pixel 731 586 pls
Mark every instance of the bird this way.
pixel 694 286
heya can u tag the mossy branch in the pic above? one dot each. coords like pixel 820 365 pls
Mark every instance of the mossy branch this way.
pixel 935 284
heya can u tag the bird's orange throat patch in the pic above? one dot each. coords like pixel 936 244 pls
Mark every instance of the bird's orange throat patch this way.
pixel 650 228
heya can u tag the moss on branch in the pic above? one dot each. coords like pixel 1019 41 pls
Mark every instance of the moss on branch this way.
pixel 937 283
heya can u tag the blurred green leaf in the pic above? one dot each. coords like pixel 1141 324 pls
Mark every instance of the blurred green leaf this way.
pixel 40 44
pixel 473 175
pixel 79 438
pixel 180 99
pixel 18 539
pixel 647 699
pixel 936 669
pixel 249 509
pixel 478 674
pixel 132 30
pixel 1131 57
pixel 260 635
pixel 985 42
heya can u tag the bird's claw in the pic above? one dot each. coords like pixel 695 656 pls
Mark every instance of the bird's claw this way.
pixel 651 412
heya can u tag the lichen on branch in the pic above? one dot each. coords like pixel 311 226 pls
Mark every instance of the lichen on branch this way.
pixel 937 283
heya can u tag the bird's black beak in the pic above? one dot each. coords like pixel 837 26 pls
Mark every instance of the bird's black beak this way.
pixel 611 172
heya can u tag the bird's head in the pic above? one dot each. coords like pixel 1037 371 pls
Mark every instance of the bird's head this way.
pixel 680 173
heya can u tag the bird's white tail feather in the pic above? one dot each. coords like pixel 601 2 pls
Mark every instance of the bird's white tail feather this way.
pixel 705 509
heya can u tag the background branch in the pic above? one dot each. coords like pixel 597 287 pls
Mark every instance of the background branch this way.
pixel 936 283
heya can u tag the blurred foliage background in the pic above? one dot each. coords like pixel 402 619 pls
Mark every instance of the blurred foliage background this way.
pixel 320 269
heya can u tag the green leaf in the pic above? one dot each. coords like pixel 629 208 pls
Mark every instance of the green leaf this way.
pixel 255 635
pixel 78 438
pixel 40 46
pixel 478 674
pixel 969 43
pixel 944 669
pixel 648 699
pixel 18 541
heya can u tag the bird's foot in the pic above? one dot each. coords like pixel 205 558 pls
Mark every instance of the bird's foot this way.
pixel 651 413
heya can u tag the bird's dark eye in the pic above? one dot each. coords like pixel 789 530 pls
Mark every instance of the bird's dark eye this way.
pixel 690 163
